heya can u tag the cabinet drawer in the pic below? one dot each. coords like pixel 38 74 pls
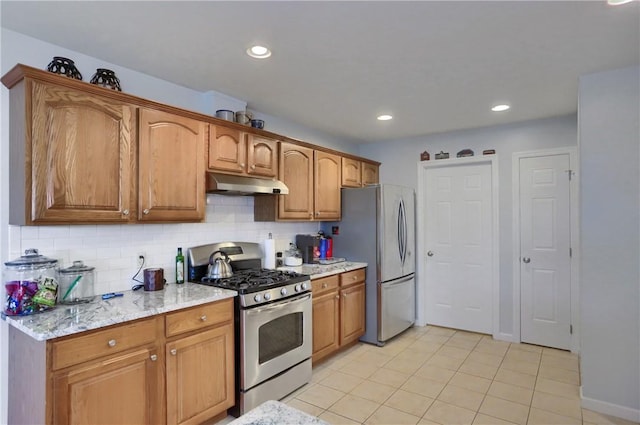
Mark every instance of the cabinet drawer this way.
pixel 352 277
pixel 199 317
pixel 102 343
pixel 324 284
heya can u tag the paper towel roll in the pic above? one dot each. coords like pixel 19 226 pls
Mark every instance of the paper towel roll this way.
pixel 269 248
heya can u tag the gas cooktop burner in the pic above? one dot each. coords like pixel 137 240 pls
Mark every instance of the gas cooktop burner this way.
pixel 247 281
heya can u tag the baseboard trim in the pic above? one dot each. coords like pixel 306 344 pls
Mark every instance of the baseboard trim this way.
pixel 610 408
pixel 501 336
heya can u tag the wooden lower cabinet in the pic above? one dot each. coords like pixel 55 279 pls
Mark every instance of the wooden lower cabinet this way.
pixel 338 312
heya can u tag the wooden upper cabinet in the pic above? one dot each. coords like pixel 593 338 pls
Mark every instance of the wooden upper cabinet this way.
pixel 171 167
pixel 370 174
pixel 262 156
pixel 296 171
pixel 327 176
pixel 351 172
pixel 227 149
pixel 80 157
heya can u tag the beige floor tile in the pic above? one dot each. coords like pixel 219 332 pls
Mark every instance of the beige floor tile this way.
pixel 359 368
pixel 470 382
pixel 436 330
pixel 482 419
pixel 373 391
pixel 485 358
pixel 461 397
pixel 419 352
pixel 561 375
pixel 449 414
pixel 305 407
pixel 444 361
pixel 463 342
pixel 374 357
pixel 561 363
pixel 354 408
pixel 321 396
pixel 511 392
pixel 602 419
pixel 454 352
pixel 404 364
pixel 560 405
pixel 412 403
pixel 341 381
pixel 520 366
pixel 558 353
pixel 542 417
pixel 423 386
pixel 389 377
pixel 434 339
pixel 439 374
pixel 334 419
pixel 558 388
pixel 526 347
pixel 515 378
pixel 424 346
pixel 338 362
pixel 524 356
pixel 425 421
pixel 386 415
pixel 478 369
pixel 320 373
pixel 392 350
pixel 504 409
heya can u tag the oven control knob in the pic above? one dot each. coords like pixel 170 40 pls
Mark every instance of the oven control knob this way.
pixel 267 296
pixel 305 286
pixel 258 298
pixel 283 291
pixel 298 288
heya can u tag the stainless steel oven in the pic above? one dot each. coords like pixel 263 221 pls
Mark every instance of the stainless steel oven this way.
pixel 273 323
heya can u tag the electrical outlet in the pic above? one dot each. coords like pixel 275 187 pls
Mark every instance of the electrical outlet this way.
pixel 140 258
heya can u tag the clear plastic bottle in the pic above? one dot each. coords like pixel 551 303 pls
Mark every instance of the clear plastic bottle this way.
pixel 179 267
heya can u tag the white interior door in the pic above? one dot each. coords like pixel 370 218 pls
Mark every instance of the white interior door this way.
pixel 459 245
pixel 545 241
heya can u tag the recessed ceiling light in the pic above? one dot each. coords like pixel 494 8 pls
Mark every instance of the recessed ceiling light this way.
pixel 384 117
pixel 500 108
pixel 618 2
pixel 258 52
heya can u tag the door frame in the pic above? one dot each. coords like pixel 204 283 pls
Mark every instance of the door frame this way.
pixel 574 302
pixel 421 293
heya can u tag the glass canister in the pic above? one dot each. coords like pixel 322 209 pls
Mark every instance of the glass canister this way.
pixel 30 283
pixel 76 283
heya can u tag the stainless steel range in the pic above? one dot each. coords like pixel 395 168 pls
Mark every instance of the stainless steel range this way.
pixel 272 322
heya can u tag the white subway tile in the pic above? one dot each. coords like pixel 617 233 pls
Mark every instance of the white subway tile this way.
pixel 82 231
pixel 53 232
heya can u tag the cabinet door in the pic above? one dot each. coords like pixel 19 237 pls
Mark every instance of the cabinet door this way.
pixel 80 157
pixel 200 376
pixel 369 174
pixel 227 149
pixel 325 325
pixel 171 162
pixel 126 389
pixel 262 156
pixel 296 171
pixel 351 313
pixel 327 177
pixel 351 173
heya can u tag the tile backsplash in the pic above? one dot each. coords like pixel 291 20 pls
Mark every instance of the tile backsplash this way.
pixel 113 249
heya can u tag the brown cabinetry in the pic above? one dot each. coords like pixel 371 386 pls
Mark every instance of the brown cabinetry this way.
pixel 327 181
pixel 171 167
pixel 370 173
pixel 338 312
pixel 233 151
pixel 351 172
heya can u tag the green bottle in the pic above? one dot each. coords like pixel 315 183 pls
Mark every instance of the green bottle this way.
pixel 179 267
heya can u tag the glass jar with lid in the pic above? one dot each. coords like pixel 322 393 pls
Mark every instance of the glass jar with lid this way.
pixel 76 283
pixel 30 283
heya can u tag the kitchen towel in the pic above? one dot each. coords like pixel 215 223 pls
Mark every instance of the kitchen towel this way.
pixel 269 248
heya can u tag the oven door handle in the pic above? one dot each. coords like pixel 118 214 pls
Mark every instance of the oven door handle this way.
pixel 278 305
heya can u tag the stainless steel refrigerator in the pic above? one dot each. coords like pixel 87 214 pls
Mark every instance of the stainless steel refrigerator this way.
pixel 378 227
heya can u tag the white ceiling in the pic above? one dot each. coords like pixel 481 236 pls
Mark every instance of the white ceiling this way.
pixel 435 66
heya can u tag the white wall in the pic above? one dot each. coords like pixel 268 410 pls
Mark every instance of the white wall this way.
pixel 609 140
pixel 399 161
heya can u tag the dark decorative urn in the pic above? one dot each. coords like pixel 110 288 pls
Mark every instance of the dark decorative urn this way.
pixel 106 78
pixel 64 66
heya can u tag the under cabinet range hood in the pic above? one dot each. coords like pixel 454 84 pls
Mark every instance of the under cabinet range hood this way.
pixel 224 184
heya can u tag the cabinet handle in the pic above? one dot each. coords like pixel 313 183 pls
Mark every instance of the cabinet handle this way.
pixel 344 295
pixel 324 285
pixel 242 165
pixel 354 278
pixel 125 212
pixel 154 357
pixel 112 343
pixel 203 317
pixel 145 211
pixel 174 352
pixel 337 297
pixel 253 167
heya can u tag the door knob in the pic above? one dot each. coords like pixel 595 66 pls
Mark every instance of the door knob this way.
pixel 430 253
pixel 526 260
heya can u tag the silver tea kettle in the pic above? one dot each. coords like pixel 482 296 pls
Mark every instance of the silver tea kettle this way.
pixel 220 267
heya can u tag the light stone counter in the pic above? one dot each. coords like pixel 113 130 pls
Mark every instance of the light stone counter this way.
pixel 322 270
pixel 276 413
pixel 70 319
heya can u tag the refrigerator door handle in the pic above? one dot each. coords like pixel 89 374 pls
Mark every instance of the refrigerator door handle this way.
pixel 401 232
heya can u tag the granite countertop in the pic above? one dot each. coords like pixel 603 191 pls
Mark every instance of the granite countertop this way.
pixel 276 413
pixel 70 319
pixel 317 271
